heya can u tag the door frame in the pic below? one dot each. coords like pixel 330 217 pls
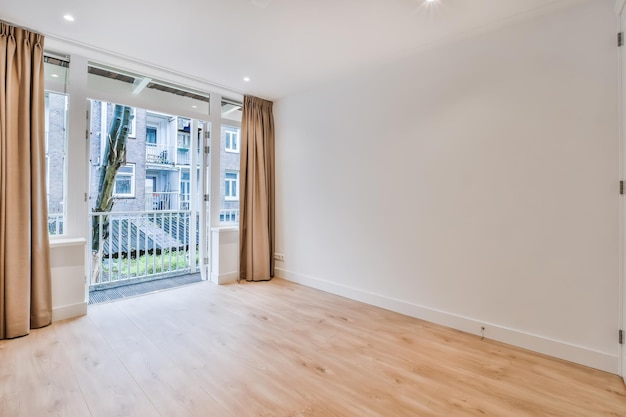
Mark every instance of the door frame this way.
pixel 621 84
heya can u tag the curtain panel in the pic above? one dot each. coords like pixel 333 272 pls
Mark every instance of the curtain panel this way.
pixel 25 282
pixel 256 217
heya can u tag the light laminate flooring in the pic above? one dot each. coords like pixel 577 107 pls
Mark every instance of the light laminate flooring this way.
pixel 281 349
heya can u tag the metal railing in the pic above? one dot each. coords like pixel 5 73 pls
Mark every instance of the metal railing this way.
pixel 139 246
pixel 162 201
pixel 159 154
pixel 55 223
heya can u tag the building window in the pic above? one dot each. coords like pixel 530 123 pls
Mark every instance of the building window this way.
pixel 231 186
pixel 125 182
pixel 151 135
pixel 232 141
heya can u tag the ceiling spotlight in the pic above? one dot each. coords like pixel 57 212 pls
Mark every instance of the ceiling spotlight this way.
pixel 68 17
pixel 54 75
pixel 246 79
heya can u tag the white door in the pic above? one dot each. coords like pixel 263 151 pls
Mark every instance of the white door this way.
pixel 200 181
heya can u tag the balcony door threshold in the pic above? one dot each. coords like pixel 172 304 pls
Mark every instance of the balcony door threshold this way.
pixel 103 295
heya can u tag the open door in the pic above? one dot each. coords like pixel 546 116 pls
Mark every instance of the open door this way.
pixel 203 186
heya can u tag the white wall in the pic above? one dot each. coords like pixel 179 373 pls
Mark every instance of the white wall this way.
pixel 471 184
pixel 67 264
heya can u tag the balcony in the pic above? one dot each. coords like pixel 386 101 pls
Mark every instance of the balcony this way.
pixel 157 154
pixel 141 246
pixel 136 247
pixel 164 201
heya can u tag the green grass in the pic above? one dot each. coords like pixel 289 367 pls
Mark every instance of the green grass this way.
pixel 148 264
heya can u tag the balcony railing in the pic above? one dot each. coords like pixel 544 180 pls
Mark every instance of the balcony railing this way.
pixel 160 154
pixel 55 223
pixel 138 246
pixel 163 201
pixel 159 201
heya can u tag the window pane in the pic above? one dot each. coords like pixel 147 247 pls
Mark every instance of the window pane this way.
pixel 229 173
pixel 124 181
pixel 56 138
pixel 231 139
pixel 231 110
pixel 123 185
pixel 151 135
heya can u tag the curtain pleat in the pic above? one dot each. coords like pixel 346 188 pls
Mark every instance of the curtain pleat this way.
pixel 256 217
pixel 25 281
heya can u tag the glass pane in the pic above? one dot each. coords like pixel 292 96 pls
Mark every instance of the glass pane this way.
pixel 56 73
pixel 151 135
pixel 163 95
pixel 231 138
pixel 231 110
pixel 229 172
pixel 128 169
pixel 123 185
pixel 56 139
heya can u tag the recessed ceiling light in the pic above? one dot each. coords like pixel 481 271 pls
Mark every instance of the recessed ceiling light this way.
pixel 54 75
pixel 246 79
pixel 68 17
pixel 194 107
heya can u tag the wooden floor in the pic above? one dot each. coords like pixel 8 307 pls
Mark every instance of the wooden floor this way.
pixel 280 349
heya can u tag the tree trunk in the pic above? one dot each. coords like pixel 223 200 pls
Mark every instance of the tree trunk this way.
pixel 114 157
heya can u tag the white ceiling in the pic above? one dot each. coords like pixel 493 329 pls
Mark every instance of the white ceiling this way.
pixel 284 46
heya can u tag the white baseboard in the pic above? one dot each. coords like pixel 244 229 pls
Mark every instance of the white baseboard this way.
pixel 562 350
pixel 69 311
pixel 226 278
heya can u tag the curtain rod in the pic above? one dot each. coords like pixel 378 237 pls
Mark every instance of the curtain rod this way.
pixel 21 27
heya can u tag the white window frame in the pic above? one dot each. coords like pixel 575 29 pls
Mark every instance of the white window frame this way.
pixel 233 135
pixel 57 84
pixel 132 183
pixel 228 186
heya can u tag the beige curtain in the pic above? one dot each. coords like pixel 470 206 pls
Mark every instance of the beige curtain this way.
pixel 25 295
pixel 256 217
